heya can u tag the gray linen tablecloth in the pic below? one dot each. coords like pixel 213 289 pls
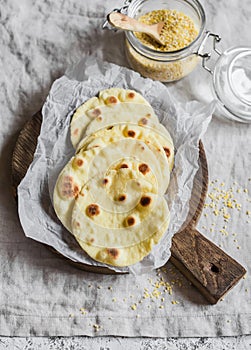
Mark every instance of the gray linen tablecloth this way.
pixel 42 294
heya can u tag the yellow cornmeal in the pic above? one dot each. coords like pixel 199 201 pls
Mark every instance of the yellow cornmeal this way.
pixel 178 32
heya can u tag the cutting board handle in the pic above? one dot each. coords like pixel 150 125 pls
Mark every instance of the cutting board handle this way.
pixel 208 267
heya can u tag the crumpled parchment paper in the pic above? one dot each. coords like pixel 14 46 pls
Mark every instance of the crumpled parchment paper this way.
pixel 186 124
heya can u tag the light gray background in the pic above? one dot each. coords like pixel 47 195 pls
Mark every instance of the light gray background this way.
pixel 38 41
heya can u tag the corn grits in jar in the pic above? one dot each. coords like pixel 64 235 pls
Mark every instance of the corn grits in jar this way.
pixel 181 34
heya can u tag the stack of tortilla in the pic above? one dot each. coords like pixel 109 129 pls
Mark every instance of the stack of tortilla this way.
pixel 110 195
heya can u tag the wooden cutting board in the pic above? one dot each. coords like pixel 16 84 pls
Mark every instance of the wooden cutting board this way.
pixel 208 267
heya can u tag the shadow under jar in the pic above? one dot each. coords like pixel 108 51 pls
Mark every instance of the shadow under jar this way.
pixel 165 66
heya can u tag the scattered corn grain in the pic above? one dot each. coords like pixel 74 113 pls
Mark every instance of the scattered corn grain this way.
pixel 96 327
pixel 134 307
pixel 83 311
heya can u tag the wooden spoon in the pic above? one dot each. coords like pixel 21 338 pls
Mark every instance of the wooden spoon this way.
pixel 124 22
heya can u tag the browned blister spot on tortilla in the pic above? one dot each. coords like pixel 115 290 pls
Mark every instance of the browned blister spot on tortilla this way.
pixel 145 201
pixel 69 189
pixel 109 127
pixel 96 112
pixel 167 151
pixel 104 181
pixel 123 166
pixel 112 100
pixel 130 221
pixel 131 95
pixel 79 162
pixel 92 240
pixel 113 252
pixel 122 197
pixel 99 118
pixel 131 133
pixel 92 210
pixel 143 121
pixel 75 132
pixel 148 115
pixel 144 168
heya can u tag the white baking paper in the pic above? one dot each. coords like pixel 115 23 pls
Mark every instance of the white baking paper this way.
pixel 186 124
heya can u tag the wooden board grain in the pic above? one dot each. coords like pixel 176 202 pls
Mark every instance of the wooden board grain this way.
pixel 209 268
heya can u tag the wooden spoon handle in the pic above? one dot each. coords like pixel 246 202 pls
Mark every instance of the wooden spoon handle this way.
pixel 124 22
pixel 208 267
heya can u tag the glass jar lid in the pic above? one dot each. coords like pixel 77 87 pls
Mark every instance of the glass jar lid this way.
pixel 232 83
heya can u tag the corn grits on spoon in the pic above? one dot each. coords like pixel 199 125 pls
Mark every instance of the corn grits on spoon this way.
pixel 124 22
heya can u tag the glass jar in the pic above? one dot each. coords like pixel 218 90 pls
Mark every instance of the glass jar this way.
pixel 158 65
pixel 231 78
pixel 231 72
pixel 231 83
